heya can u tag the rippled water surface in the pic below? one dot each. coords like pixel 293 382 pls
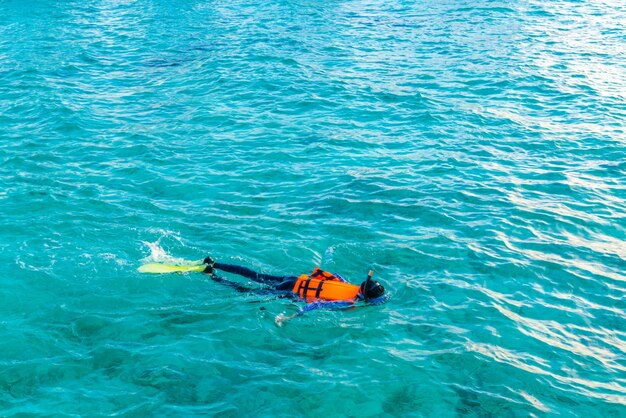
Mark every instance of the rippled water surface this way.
pixel 473 153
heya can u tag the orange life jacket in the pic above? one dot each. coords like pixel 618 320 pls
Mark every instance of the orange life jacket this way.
pixel 322 285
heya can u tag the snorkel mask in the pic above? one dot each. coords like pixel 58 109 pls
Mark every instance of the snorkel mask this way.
pixel 371 289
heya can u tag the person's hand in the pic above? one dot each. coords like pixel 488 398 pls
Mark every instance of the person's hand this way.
pixel 281 319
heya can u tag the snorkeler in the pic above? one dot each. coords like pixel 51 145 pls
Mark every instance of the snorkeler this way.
pixel 320 289
pixel 315 288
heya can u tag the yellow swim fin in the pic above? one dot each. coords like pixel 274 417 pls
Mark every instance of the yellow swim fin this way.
pixel 160 268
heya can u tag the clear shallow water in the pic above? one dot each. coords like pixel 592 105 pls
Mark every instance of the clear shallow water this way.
pixel 473 154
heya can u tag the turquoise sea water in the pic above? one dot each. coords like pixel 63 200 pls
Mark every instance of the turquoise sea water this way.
pixel 472 152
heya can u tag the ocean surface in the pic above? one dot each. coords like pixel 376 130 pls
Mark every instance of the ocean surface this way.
pixel 472 153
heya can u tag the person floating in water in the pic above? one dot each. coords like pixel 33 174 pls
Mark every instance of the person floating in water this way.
pixel 320 289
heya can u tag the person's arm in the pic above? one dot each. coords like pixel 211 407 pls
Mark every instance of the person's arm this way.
pixel 329 305
pixel 379 300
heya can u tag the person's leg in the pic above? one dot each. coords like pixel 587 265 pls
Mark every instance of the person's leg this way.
pixel 236 286
pixel 250 274
pixel 260 292
pixel 287 284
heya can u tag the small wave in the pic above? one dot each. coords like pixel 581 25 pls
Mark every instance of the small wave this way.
pixel 158 254
pixel 611 392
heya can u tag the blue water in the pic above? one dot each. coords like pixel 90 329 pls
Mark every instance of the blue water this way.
pixel 473 153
